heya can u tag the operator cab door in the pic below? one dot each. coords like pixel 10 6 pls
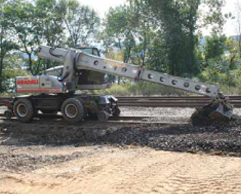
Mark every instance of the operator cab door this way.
pixel 45 82
pixel 50 84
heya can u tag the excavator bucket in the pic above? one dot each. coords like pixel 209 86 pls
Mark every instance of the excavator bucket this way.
pixel 218 111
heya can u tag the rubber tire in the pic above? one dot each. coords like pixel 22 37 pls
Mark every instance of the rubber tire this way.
pixel 29 106
pixel 80 109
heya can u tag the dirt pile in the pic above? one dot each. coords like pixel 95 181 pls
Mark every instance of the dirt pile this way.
pixel 25 162
pixel 216 114
pixel 179 138
pixel 203 120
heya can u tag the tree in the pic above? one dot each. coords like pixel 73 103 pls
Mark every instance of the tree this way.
pixel 176 26
pixel 238 9
pixel 82 23
pixel 212 16
pixel 232 47
pixel 21 17
pixel 12 68
pixel 177 23
pixel 6 41
pixel 49 15
pixel 214 47
pixel 118 32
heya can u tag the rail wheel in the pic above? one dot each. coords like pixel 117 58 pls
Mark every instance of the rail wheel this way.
pixel 23 109
pixel 117 112
pixel 103 116
pixel 72 110
pixel 8 114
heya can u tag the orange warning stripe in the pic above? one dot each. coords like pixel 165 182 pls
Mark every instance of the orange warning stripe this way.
pixel 39 90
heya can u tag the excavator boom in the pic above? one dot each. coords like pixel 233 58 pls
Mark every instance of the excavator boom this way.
pixel 94 63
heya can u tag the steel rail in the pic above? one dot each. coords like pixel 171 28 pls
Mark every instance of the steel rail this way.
pixel 124 120
pixel 163 101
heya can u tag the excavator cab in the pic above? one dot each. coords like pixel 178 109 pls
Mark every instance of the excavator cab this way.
pixel 87 79
pixel 90 77
pixel 89 50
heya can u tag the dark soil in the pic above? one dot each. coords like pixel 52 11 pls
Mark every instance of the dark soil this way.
pixel 218 139
pixel 21 162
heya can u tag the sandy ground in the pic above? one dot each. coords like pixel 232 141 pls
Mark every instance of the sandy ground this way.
pixel 111 163
pixel 131 171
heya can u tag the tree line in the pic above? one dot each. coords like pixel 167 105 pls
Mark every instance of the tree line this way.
pixel 164 35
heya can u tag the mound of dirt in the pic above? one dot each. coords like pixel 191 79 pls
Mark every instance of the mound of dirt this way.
pixel 218 139
pixel 215 114
pixel 203 120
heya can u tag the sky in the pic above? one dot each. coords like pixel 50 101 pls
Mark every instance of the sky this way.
pixel 102 7
pixel 230 28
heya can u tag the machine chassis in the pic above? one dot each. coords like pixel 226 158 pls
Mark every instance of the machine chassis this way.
pixel 85 106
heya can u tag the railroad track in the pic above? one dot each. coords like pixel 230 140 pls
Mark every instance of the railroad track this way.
pixel 175 102
pixel 130 120
pixel 165 101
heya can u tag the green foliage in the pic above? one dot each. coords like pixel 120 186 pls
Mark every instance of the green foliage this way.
pixel 214 47
pixel 158 34
pixel 49 15
pixel 118 90
pixel 82 22
pixel 213 16
pixel 142 88
pixel 178 25
pixel 11 69
pixel 118 31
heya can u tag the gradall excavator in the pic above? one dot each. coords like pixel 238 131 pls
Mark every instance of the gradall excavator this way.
pixel 84 69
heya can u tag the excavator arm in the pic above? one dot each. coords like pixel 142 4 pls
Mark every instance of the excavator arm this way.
pixel 74 60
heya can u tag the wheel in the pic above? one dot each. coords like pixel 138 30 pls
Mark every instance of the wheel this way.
pixel 103 116
pixel 117 112
pixel 8 114
pixel 23 109
pixel 72 110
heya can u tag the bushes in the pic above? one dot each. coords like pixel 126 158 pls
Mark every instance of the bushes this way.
pixel 118 90
pixel 230 84
pixel 143 89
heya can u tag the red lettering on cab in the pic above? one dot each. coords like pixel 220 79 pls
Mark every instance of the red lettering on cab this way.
pixel 28 82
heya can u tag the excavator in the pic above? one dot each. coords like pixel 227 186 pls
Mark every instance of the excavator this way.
pixel 84 69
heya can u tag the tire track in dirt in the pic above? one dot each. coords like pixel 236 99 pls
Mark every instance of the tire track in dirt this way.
pixel 131 171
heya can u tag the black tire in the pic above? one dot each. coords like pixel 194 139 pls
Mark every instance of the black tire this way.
pixel 23 109
pixel 72 110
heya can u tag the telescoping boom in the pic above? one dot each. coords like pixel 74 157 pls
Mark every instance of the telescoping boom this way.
pixel 73 60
